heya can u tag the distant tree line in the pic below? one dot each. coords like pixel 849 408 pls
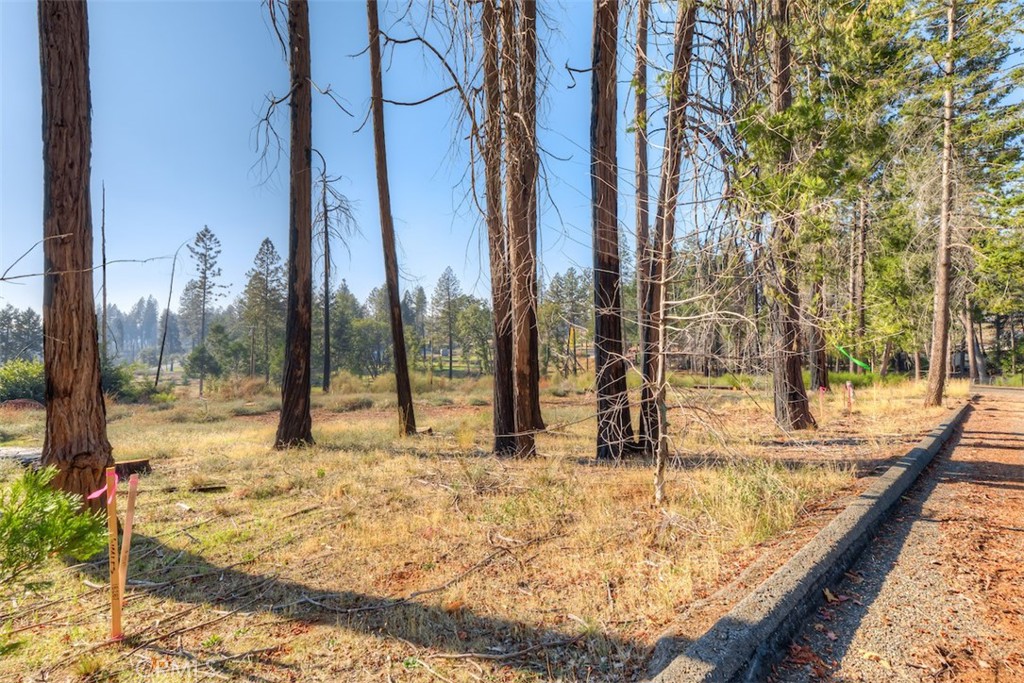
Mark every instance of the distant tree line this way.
pixel 21 334
pixel 449 328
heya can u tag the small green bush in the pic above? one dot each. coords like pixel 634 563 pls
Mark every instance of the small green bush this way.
pixel 119 381
pixel 37 521
pixel 22 379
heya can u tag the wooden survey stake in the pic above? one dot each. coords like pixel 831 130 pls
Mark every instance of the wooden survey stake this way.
pixel 126 542
pixel 115 579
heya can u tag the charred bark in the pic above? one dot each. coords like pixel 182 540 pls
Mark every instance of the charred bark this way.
pixel 531 167
pixel 295 425
pixel 614 429
pixel 497 242
pixel 656 266
pixel 520 176
pixel 406 415
pixel 641 162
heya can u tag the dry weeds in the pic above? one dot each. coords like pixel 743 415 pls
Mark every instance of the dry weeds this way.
pixel 372 557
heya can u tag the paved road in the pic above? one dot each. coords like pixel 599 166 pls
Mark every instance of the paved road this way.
pixel 939 594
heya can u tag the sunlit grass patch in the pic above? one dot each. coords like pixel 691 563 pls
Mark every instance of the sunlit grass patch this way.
pixel 497 553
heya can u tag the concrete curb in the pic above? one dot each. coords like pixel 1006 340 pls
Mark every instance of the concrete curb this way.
pixel 747 640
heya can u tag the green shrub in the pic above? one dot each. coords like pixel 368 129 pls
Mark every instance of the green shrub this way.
pixel 118 380
pixel 22 379
pixel 37 521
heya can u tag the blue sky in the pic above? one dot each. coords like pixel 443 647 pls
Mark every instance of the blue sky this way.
pixel 177 89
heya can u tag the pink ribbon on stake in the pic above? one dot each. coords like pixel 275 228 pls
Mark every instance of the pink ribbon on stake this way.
pixel 110 496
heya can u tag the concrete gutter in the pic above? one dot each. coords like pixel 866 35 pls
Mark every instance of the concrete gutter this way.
pixel 747 640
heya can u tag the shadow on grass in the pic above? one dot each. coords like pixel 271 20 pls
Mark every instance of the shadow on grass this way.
pixel 862 466
pixel 888 543
pixel 446 631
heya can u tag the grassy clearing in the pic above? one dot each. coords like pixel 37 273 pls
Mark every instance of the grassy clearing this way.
pixel 372 557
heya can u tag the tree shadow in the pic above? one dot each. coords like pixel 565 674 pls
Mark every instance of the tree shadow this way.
pixel 886 545
pixel 444 630
pixel 862 466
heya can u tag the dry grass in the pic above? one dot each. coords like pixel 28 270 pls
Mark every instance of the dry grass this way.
pixel 372 557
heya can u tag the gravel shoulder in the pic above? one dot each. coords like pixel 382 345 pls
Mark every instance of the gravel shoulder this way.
pixel 938 594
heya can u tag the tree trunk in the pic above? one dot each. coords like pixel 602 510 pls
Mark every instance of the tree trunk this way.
pixel 1013 348
pixel 295 426
pixel 818 353
pixel 167 321
pixel 861 312
pixel 980 371
pixel 997 342
pixel 204 284
pixel 450 315
pixel 406 414
pixel 614 428
pixel 326 385
pixel 791 407
pixel 103 261
pixel 659 252
pixel 642 181
pixel 266 324
pixel 940 317
pixel 531 166
pixel 883 366
pixel 967 320
pixel 501 297
pixel 514 70
pixel 75 439
pixel 852 313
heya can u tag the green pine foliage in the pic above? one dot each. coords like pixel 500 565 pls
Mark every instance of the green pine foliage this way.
pixel 22 379
pixel 38 522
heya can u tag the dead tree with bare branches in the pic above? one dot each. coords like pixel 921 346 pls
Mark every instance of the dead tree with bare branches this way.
pixel 295 425
pixel 501 289
pixel 656 266
pixel 518 73
pixel 406 414
pixel 614 428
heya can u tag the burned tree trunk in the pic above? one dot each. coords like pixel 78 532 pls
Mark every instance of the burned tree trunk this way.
pixel 614 429
pixel 940 316
pixel 75 440
pixel 406 416
pixel 326 380
pixel 518 76
pixel 653 285
pixel 497 242
pixel 642 180
pixel 295 425
pixel 790 397
pixel 531 166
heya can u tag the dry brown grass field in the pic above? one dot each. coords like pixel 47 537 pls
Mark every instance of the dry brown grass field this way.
pixel 371 557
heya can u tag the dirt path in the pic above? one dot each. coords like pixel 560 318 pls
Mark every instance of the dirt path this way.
pixel 939 594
